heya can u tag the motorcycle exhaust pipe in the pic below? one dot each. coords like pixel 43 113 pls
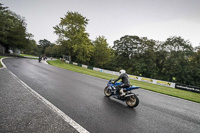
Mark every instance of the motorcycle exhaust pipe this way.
pixel 129 95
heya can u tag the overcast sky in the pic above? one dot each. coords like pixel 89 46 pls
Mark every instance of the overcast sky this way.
pixel 154 19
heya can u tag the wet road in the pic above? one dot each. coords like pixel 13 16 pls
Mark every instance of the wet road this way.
pixel 81 97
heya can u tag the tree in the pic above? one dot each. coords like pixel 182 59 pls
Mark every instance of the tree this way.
pixel 54 51
pixel 102 53
pixel 12 29
pixel 195 68
pixel 161 60
pixel 73 37
pixel 177 63
pixel 148 57
pixel 31 48
pixel 44 44
pixel 136 55
pixel 126 48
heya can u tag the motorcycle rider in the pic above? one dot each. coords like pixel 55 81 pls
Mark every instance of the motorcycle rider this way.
pixel 125 82
pixel 40 58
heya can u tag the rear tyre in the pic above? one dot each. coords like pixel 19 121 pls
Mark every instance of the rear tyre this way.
pixel 132 101
pixel 107 92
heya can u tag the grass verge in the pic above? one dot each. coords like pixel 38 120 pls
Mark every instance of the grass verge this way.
pixel 28 55
pixel 191 96
pixel 0 61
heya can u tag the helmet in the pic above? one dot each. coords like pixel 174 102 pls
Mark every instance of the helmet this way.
pixel 122 71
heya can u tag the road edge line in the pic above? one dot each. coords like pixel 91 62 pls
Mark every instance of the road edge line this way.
pixel 66 118
pixel 4 66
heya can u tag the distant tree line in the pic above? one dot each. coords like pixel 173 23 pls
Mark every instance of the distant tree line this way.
pixel 13 32
pixel 173 60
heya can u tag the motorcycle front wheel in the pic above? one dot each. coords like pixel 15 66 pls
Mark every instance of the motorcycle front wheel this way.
pixel 132 101
pixel 107 91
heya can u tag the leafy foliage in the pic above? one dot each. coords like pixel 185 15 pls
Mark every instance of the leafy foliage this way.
pixel 173 60
pixel 54 51
pixel 102 52
pixel 73 37
pixel 12 29
pixel 31 48
pixel 44 44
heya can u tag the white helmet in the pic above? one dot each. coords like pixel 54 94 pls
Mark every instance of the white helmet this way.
pixel 122 71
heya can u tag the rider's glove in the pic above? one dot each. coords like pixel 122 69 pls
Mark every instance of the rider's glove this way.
pixel 113 82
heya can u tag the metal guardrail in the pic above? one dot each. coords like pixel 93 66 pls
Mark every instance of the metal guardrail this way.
pixel 144 79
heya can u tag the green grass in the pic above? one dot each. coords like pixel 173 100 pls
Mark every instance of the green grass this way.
pixel 192 96
pixel 0 61
pixel 28 55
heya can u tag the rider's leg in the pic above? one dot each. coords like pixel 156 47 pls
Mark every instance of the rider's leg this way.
pixel 122 92
pixel 117 89
pixel 121 89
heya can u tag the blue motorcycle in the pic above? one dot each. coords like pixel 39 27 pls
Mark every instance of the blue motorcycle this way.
pixel 130 98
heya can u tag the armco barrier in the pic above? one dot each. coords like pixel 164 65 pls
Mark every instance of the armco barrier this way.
pixel 79 64
pixel 188 88
pixel 90 67
pixel 75 63
pixel 106 71
pixel 153 81
pixel 84 66
pixel 149 80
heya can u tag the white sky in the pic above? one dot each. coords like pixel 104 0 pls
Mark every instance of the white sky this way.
pixel 155 19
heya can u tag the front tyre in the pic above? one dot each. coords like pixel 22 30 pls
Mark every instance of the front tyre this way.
pixel 107 91
pixel 132 101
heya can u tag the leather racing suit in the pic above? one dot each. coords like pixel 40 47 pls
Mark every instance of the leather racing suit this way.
pixel 125 81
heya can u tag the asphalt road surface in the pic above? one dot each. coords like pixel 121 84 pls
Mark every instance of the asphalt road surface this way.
pixel 81 97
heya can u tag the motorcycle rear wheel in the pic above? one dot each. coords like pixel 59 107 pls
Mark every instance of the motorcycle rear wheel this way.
pixel 132 101
pixel 107 91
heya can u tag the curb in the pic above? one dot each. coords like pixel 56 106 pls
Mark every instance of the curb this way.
pixel 4 66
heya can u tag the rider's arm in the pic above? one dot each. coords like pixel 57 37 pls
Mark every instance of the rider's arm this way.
pixel 118 78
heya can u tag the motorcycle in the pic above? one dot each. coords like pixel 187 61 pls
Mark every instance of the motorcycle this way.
pixel 130 98
pixel 39 59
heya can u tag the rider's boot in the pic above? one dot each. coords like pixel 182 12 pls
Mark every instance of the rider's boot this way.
pixel 122 93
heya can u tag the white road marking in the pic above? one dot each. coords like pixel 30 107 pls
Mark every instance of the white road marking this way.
pixel 4 66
